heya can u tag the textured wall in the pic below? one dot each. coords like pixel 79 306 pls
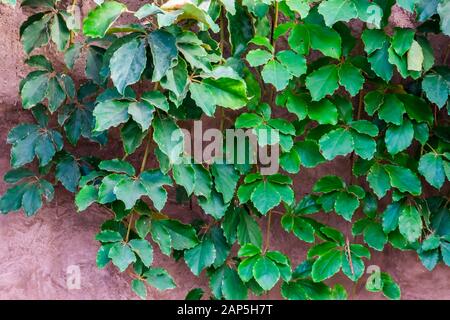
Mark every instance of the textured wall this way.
pixel 36 252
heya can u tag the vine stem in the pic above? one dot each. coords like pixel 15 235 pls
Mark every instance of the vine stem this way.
pixel 269 222
pixel 146 152
pixel 144 162
pixel 222 46
pixel 272 42
pixel 129 227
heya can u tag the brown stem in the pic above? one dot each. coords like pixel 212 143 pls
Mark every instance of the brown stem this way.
pixel 146 152
pixel 129 227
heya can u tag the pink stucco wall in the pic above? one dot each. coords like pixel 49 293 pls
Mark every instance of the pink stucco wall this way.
pixel 36 252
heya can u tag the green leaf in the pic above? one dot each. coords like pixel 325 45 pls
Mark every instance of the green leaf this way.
pixel 116 165
pixel 34 89
pixel 85 197
pixel 346 204
pixel 159 278
pixel 157 99
pixel 399 138
pixel 203 181
pixel 322 82
pixel 365 127
pixel 143 250
pixel 169 138
pixel 132 136
pixel 195 294
pixel 108 236
pixel 266 273
pixel 337 10
pixel 110 113
pixel 121 256
pixel 445 251
pixel 60 34
pixel 364 146
pixel 338 142
pixel 232 286
pixel 248 120
pixel 34 32
pixel 402 40
pixel 379 180
pixel 328 184
pixel 309 153
pixel 276 74
pixel 392 109
pixel 16 175
pixel 225 92
pixel 390 217
pixel 294 63
pixel 390 289
pixel 323 111
pixel 356 270
pixel 417 109
pixel 265 197
pixel 404 179
pixel 318 37
pixel 258 57
pixel 374 236
pixel 200 256
pixel 436 89
pixel 184 175
pixel 303 230
pixel 248 230
pixel 68 172
pixel 128 63
pixel 32 200
pixel 129 191
pixel 249 250
pixel 351 78
pixel 327 265
pixel 99 20
pixel 431 166
pixel 154 181
pixel 373 39
pixel 164 52
pixel 410 223
pixel 225 179
pixel 139 288
pixel 379 62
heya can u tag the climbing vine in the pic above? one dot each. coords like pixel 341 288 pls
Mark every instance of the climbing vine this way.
pixel 333 78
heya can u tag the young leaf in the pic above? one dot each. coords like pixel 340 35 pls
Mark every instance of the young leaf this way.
pixel 101 18
pixel 322 82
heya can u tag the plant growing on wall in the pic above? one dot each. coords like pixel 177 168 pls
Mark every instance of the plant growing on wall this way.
pixel 377 96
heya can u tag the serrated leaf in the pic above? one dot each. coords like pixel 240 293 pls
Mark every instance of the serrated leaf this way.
pixel 337 10
pixel 431 166
pixel 399 138
pixel 322 82
pixel 410 223
pixel 265 197
pixel 276 74
pixel 266 273
pixel 327 265
pixel 200 256
pixel 351 78
pixel 128 63
pixel 101 18
pixel 164 52
pixel 338 142
pixel 143 250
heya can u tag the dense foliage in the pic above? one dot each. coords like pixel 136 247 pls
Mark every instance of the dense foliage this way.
pixel 350 84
